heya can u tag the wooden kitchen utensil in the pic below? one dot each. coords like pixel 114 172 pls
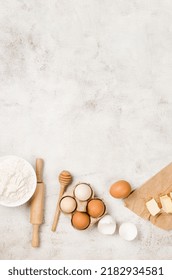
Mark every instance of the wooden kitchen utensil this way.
pixel 65 178
pixel 37 204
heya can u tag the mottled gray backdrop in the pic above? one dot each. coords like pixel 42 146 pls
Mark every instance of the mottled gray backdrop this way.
pixel 86 85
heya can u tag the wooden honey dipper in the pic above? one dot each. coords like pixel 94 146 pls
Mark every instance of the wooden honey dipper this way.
pixel 65 178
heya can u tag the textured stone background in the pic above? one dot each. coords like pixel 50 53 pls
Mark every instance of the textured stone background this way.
pixel 86 85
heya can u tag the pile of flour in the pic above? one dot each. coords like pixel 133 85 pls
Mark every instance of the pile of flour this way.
pixel 17 180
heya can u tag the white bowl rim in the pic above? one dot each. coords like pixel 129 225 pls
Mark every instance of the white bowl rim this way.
pixel 30 194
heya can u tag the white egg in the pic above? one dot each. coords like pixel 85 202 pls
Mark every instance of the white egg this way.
pixel 68 204
pixel 107 225
pixel 83 192
pixel 128 231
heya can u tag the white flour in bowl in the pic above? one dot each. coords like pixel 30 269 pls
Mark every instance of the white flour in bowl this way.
pixel 17 181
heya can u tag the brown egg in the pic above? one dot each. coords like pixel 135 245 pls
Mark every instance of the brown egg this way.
pixel 96 208
pixel 120 189
pixel 80 220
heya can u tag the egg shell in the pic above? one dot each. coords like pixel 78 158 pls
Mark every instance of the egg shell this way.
pixel 120 189
pixel 96 208
pixel 128 231
pixel 68 204
pixel 80 220
pixel 107 225
pixel 83 192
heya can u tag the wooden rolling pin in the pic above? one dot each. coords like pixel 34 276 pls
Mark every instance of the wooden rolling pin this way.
pixel 37 204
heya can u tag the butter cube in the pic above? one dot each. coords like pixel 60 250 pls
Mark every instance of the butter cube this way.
pixel 166 203
pixel 153 207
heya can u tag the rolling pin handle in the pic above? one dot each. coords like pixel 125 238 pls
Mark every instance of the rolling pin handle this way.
pixel 39 169
pixel 35 236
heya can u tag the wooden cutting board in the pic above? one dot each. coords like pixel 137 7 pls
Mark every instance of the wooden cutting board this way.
pixel 158 185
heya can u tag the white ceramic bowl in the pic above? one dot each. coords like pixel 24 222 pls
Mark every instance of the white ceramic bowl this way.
pixel 18 172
